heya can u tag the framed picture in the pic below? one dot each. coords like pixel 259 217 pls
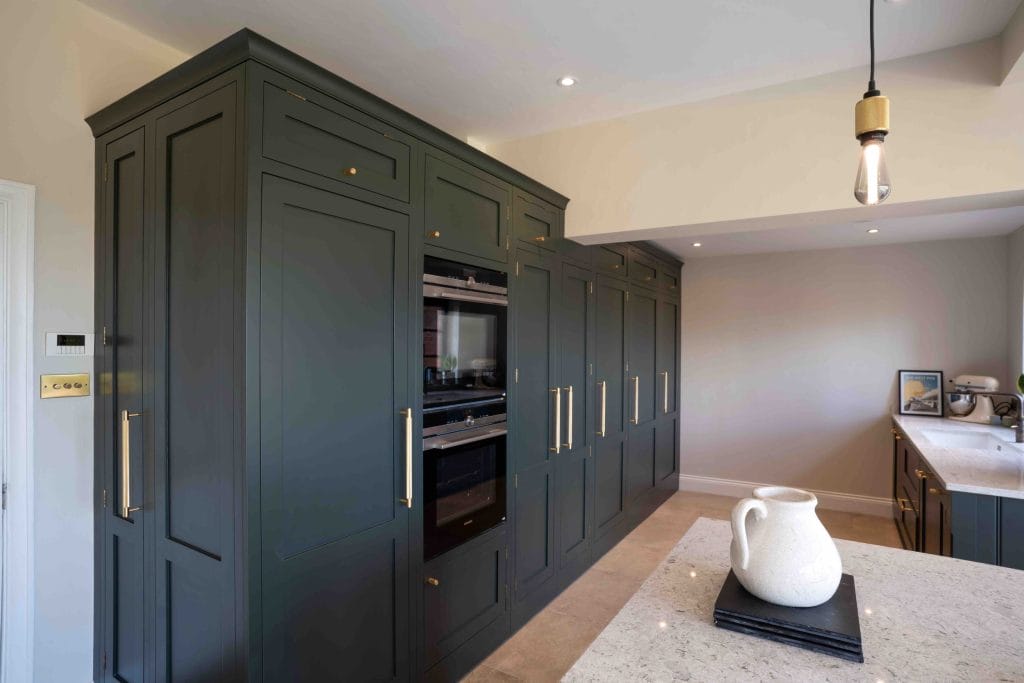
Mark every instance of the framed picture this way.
pixel 921 392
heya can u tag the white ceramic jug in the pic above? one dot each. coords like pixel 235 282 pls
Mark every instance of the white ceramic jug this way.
pixel 784 554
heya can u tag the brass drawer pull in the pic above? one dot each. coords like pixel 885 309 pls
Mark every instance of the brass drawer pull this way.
pixel 407 501
pixel 921 474
pixel 351 170
pixel 432 581
pixel 541 238
pixel 636 400
pixel 604 407
pixel 434 233
pixel 905 505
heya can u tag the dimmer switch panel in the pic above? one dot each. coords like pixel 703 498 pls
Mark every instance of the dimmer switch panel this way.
pixel 68 344
pixel 63 386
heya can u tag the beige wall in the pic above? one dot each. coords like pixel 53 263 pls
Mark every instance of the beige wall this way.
pixel 62 61
pixel 1015 307
pixel 785 150
pixel 789 360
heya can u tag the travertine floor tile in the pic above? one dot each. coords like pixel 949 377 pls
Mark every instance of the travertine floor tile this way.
pixel 546 647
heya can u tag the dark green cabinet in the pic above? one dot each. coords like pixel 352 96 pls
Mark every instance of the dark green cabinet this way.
pixel 260 232
pixel 610 354
pixel 332 458
pixel 966 526
pixel 467 210
pixel 535 420
pixel 574 464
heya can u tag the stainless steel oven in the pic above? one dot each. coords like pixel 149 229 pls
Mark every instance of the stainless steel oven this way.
pixel 464 467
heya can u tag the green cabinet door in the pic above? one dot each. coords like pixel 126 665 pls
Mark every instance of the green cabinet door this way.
pixel 610 405
pixel 536 415
pixel 643 389
pixel 335 377
pixel 122 536
pixel 536 225
pixel 574 475
pixel 467 210
pixel 667 379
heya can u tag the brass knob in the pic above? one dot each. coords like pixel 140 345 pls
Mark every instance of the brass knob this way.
pixel 542 238
pixel 921 474
pixel 352 170
pixel 616 266
pixel 899 438
pixel 434 233
pixel 432 581
pixel 933 491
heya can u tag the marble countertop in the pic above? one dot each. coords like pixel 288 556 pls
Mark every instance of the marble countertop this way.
pixel 969 470
pixel 922 618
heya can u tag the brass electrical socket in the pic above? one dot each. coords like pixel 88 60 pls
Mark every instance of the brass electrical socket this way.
pixel 63 386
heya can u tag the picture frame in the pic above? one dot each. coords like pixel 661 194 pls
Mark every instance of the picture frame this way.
pixel 921 393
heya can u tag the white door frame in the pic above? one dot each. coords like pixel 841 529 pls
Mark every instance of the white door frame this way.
pixel 17 396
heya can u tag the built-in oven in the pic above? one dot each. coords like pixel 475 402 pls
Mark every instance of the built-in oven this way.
pixel 465 311
pixel 464 467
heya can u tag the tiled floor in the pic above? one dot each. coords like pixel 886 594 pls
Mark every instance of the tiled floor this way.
pixel 546 647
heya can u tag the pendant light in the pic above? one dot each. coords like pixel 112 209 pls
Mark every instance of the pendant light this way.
pixel 872 125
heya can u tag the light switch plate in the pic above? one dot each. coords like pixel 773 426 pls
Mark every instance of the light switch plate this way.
pixel 63 386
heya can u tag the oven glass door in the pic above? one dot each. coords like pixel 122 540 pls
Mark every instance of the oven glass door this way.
pixel 463 350
pixel 464 493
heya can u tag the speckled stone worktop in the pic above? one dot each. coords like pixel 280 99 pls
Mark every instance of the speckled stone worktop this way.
pixel 923 618
pixel 969 470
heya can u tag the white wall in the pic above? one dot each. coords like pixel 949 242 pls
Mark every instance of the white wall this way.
pixel 789 360
pixel 785 150
pixel 1015 306
pixel 61 62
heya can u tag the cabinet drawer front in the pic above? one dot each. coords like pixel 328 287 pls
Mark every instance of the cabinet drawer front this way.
pixel 642 268
pixel 611 260
pixel 304 134
pixel 466 210
pixel 668 279
pixel 536 222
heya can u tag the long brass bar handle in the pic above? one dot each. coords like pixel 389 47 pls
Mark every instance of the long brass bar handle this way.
pixel 407 501
pixel 604 406
pixel 126 464
pixel 568 427
pixel 636 400
pixel 557 391
pixel 664 398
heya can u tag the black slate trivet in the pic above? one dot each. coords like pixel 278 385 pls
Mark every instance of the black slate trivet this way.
pixel 831 628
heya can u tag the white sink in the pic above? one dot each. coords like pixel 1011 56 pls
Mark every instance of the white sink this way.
pixel 964 439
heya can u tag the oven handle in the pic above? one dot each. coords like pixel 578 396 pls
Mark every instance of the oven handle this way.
pixel 434 292
pixel 490 433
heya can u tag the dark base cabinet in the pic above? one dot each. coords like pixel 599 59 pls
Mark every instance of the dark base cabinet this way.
pixel 966 526
pixel 261 227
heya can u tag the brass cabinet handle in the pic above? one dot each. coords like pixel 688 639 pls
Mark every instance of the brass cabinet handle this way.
pixel 126 464
pixel 434 233
pixel 905 505
pixel 934 491
pixel 407 501
pixel 636 400
pixel 557 391
pixel 432 581
pixel 540 238
pixel 604 406
pixel 664 399
pixel 898 437
pixel 568 426
pixel 921 474
pixel 352 170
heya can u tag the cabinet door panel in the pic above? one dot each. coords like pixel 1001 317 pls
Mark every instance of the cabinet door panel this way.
pixel 194 358
pixel 667 356
pixel 666 439
pixel 610 405
pixel 536 223
pixel 611 260
pixel 334 350
pixel 123 252
pixel 535 401
pixel 466 210
pixel 1011 532
pixel 574 463
pixel 641 461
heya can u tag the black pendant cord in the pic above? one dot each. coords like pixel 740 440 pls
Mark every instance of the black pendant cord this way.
pixel 871 33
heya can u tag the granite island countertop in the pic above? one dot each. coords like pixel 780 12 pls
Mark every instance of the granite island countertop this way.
pixel 922 618
pixel 968 470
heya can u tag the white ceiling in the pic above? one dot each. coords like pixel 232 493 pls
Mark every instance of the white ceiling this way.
pixel 487 69
pixel 961 224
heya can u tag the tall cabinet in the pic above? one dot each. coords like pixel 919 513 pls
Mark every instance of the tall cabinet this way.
pixel 261 226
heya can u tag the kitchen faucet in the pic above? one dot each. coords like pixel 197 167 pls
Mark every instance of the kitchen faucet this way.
pixel 1018 428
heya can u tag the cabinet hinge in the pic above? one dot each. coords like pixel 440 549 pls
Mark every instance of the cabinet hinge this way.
pixel 103 661
pixel 508 243
pixel 296 95
pixel 515 481
pixel 103 341
pixel 627 296
pixel 517 268
pixel 104 498
pixel 516 376
pixel 104 171
pixel 590 369
pixel 591 283
pixel 627 367
pixel 3 497
pixel 506 557
pixel 508 213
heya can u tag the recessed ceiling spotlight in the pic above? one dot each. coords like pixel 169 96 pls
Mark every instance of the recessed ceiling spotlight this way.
pixel 696 244
pixel 872 231
pixel 567 81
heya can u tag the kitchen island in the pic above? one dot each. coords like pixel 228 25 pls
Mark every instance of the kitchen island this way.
pixel 922 618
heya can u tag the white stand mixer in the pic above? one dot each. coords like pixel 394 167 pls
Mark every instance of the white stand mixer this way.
pixel 966 404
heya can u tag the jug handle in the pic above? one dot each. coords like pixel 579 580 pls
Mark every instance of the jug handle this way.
pixel 739 525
